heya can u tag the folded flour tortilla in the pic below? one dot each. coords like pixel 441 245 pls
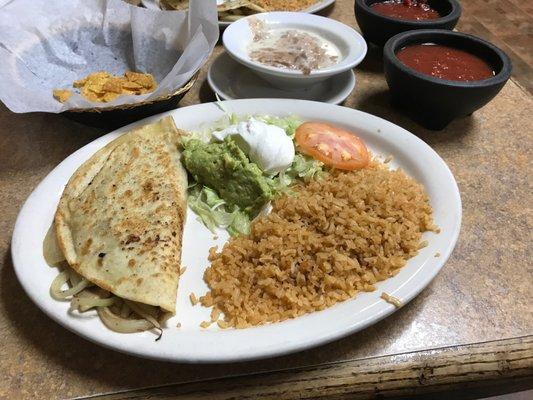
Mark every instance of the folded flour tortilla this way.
pixel 120 219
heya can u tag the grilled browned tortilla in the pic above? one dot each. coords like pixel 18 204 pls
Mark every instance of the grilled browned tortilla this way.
pixel 120 219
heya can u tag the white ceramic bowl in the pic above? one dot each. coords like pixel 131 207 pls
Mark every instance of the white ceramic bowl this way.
pixel 352 46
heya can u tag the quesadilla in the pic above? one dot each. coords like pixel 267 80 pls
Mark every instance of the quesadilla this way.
pixel 119 226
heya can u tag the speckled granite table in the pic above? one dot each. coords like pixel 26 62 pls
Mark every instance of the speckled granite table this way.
pixel 471 327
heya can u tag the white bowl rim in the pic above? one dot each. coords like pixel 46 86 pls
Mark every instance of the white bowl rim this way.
pixel 357 47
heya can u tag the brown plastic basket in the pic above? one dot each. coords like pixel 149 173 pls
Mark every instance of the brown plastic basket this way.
pixel 117 116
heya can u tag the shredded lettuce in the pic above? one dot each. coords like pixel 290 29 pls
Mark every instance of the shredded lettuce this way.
pixel 240 223
pixel 213 211
pixel 303 167
pixel 288 124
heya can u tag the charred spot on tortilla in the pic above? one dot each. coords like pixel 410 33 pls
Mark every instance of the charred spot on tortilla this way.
pixel 132 239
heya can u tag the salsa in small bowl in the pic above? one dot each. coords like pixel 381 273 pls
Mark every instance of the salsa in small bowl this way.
pixel 437 75
pixel 380 20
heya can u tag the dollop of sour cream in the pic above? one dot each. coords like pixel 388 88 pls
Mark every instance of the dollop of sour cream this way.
pixel 266 145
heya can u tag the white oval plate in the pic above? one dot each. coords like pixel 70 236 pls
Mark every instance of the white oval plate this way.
pixel 232 80
pixel 318 6
pixel 190 343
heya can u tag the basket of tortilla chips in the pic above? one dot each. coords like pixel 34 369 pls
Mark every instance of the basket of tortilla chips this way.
pixel 116 116
pixel 104 62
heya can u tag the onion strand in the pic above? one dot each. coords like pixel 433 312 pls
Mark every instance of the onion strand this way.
pixel 60 280
pixel 142 313
pixel 83 304
pixel 122 325
pixel 84 283
pixel 125 310
pixel 74 277
pixel 84 299
pixel 57 283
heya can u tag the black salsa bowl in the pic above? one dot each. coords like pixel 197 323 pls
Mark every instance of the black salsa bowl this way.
pixel 435 102
pixel 377 28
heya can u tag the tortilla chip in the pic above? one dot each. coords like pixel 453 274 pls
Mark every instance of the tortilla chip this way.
pixel 62 95
pixel 93 80
pixel 113 85
pixel 147 81
pixel 131 87
pixel 103 87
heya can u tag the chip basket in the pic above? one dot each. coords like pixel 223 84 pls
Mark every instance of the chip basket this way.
pixel 117 116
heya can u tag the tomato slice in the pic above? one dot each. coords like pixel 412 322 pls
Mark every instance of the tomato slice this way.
pixel 333 146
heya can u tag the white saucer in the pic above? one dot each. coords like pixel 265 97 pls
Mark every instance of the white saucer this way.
pixel 232 80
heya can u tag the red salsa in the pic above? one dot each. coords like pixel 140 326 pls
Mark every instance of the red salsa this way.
pixel 445 62
pixel 406 9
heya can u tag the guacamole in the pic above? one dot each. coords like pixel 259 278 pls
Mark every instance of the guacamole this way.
pixel 224 167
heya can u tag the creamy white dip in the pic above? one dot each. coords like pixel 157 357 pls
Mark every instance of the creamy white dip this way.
pixel 295 49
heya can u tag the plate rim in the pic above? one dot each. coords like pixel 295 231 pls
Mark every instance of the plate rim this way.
pixel 384 310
